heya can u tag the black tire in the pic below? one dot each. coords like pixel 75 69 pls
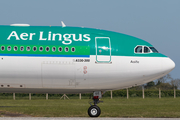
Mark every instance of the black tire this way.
pixel 94 111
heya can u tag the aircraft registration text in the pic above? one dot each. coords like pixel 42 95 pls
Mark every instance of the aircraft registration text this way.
pixel 81 60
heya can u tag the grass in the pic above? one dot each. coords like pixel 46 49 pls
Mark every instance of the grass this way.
pixel 116 107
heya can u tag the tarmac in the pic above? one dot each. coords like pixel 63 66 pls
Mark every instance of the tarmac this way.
pixel 80 118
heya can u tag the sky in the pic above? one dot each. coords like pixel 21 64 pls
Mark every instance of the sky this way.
pixel 155 21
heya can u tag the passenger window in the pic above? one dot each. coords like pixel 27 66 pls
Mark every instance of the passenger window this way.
pixel 72 49
pixel 9 48
pixel 28 48
pixel 146 50
pixel 66 49
pixel 2 48
pixel 22 48
pixel 34 48
pixel 41 49
pixel 47 48
pixel 138 49
pixel 54 49
pixel 60 49
pixel 15 48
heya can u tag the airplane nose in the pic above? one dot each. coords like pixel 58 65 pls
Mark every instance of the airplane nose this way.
pixel 167 65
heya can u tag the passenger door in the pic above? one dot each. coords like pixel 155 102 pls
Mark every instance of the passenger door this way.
pixel 103 49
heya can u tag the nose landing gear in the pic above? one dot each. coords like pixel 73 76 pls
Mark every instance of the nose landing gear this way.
pixel 94 110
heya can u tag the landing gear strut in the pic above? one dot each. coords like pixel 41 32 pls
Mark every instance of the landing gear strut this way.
pixel 94 110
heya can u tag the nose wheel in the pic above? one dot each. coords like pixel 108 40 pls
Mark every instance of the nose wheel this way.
pixel 94 111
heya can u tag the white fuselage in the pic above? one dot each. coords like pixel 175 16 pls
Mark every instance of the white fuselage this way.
pixel 71 75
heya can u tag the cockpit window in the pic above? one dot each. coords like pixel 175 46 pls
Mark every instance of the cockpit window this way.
pixel 153 50
pixel 146 49
pixel 138 49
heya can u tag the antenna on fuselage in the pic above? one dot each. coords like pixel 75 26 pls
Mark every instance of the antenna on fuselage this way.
pixel 63 25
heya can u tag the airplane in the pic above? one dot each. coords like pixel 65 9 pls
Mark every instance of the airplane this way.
pixel 62 59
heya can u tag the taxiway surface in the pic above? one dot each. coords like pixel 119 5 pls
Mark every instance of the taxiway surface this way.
pixel 81 118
